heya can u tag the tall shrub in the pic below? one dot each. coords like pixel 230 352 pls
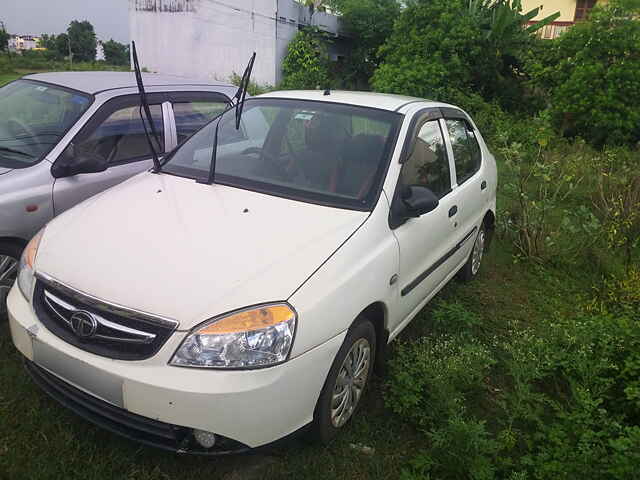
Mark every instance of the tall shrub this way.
pixel 306 65
pixel 591 74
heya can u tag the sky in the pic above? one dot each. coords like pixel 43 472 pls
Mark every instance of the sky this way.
pixel 110 18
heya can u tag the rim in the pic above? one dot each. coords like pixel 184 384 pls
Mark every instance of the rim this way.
pixel 8 273
pixel 350 383
pixel 478 251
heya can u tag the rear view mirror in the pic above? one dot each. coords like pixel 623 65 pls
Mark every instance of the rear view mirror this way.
pixel 75 161
pixel 418 200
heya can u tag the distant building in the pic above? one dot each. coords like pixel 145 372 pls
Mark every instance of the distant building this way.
pixel 19 43
pixel 99 51
pixel 214 38
pixel 571 11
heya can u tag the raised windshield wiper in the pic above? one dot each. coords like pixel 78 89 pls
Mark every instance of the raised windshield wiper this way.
pixel 11 150
pixel 239 98
pixel 145 105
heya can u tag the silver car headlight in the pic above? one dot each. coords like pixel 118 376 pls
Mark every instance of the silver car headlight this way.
pixel 26 269
pixel 251 338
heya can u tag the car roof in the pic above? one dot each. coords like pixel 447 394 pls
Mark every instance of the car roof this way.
pixel 382 101
pixel 95 82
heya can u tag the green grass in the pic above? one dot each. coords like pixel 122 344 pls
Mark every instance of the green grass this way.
pixel 8 77
pixel 40 439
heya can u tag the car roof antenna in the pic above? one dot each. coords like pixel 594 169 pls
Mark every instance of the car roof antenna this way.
pixel 239 98
pixel 144 105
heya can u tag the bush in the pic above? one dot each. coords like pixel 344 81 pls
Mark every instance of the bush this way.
pixel 563 400
pixel 591 75
pixel 306 65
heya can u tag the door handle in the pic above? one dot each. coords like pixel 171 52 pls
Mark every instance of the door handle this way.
pixel 453 210
pixel 483 185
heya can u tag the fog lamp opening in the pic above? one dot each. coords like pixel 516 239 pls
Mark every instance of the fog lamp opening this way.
pixel 205 439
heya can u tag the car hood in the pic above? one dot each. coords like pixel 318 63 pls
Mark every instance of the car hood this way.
pixel 168 246
pixel 5 170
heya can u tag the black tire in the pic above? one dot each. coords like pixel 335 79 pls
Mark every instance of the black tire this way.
pixel 361 332
pixel 471 269
pixel 13 251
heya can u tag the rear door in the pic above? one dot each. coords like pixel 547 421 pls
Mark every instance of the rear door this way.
pixel 470 185
pixel 117 134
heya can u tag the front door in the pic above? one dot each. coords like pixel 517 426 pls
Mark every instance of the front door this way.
pixel 426 242
pixel 117 134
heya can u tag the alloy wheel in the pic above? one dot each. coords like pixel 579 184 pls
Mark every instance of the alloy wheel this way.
pixel 478 251
pixel 8 273
pixel 350 382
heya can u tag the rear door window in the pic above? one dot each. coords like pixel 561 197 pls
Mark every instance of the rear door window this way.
pixel 466 150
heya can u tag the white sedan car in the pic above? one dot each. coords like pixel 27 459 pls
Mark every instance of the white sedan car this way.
pixel 217 313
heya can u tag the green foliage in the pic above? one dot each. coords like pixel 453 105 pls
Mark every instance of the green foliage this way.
pixel 369 23
pixel 83 41
pixel 116 53
pixel 4 39
pixel 441 48
pixel 254 88
pixel 591 76
pixel 560 399
pixel 306 65
pixel 434 49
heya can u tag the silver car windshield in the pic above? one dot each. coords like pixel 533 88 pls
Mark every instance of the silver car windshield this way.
pixel 318 152
pixel 34 118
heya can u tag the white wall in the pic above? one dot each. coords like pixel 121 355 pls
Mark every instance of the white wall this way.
pixel 205 38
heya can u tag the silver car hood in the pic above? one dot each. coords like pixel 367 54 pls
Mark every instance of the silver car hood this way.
pixel 5 170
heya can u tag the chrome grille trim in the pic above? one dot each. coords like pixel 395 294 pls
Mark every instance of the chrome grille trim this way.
pixel 99 304
pixel 56 304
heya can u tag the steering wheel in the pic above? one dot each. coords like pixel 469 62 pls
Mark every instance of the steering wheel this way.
pixel 16 126
pixel 286 172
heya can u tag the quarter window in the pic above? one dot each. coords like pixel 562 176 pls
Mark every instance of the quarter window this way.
pixel 428 164
pixel 466 150
pixel 121 136
pixel 192 116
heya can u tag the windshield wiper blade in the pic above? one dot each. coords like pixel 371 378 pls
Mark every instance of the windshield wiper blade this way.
pixel 240 98
pixel 144 105
pixel 242 90
pixel 11 150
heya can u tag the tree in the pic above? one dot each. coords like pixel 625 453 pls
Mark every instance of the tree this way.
pixel 440 48
pixel 4 38
pixel 591 75
pixel 116 53
pixel 83 41
pixel 306 65
pixel 369 23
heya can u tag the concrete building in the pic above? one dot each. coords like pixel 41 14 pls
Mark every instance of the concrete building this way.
pixel 214 38
pixel 571 11
pixel 19 43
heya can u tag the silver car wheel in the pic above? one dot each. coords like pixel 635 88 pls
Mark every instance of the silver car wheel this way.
pixel 350 382
pixel 8 273
pixel 478 251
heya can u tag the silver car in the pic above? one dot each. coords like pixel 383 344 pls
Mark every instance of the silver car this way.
pixel 65 137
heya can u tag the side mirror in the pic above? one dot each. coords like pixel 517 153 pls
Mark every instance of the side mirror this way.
pixel 75 161
pixel 418 200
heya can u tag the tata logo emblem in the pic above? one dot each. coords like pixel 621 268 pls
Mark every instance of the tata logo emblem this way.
pixel 83 324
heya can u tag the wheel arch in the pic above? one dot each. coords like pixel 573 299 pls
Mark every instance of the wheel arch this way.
pixel 377 314
pixel 19 242
pixel 489 222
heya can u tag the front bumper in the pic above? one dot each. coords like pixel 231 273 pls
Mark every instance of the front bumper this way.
pixel 252 408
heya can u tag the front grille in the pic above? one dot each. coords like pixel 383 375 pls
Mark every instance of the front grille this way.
pixel 95 327
pixel 122 422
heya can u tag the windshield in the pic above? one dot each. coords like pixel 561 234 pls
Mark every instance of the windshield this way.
pixel 311 151
pixel 34 118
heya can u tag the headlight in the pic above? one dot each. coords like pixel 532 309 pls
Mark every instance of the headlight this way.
pixel 255 337
pixel 26 273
